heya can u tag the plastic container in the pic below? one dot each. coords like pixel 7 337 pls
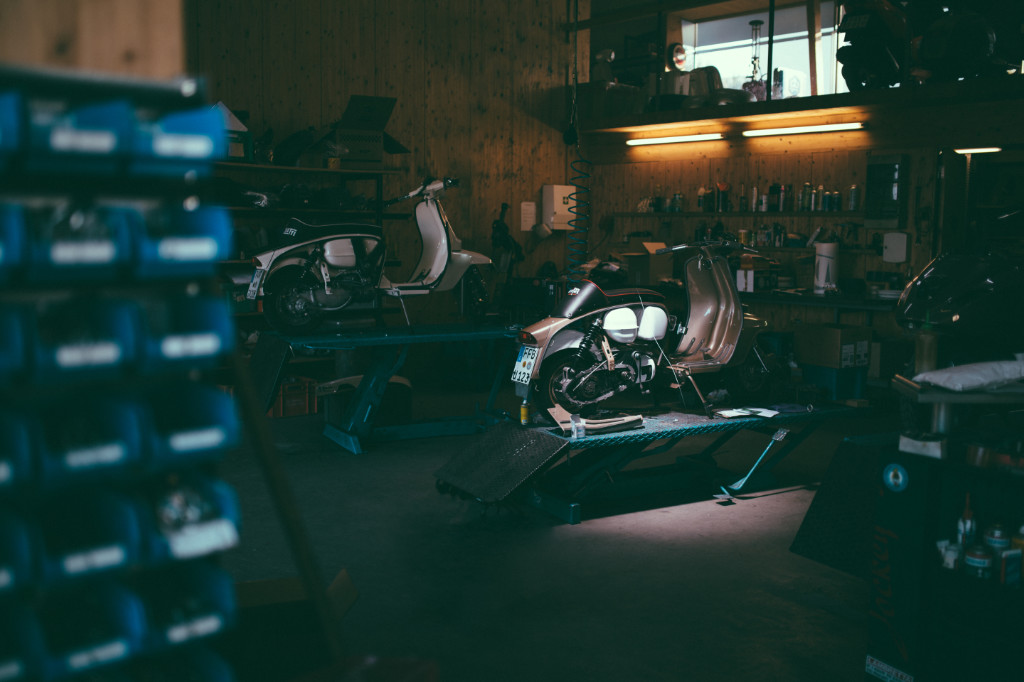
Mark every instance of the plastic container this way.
pixel 83 438
pixel 12 242
pixel 83 630
pixel 17 553
pixel 86 534
pixel 191 422
pixel 69 244
pixel 89 139
pixel 182 243
pixel 188 517
pixel 179 143
pixel 81 338
pixel 185 603
pixel 185 332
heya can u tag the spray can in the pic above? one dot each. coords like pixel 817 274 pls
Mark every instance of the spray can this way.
pixel 926 348
pixel 965 526
pixel 853 198
pixel 524 413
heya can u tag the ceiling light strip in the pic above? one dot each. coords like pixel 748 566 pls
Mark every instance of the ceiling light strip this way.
pixel 979 150
pixel 801 130
pixel 674 139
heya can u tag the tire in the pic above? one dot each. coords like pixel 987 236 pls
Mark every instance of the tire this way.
pixel 286 304
pixel 546 393
pixel 748 381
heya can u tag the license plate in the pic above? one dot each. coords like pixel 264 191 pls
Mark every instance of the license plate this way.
pixel 524 364
pixel 254 285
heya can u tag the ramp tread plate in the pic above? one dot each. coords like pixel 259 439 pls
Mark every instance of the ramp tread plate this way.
pixel 504 458
pixel 680 424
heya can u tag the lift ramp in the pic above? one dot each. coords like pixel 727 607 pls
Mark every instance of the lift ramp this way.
pixel 500 461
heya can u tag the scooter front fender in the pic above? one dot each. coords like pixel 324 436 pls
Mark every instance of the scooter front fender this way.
pixel 459 262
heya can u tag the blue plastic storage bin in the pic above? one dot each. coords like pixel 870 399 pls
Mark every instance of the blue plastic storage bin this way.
pixel 82 438
pixel 16 554
pixel 185 602
pixel 69 244
pixel 15 335
pixel 180 143
pixel 186 332
pixel 11 127
pixel 12 242
pixel 92 138
pixel 191 422
pixel 179 243
pixel 84 630
pixel 16 475
pixel 84 534
pixel 81 338
pixel 189 517
pixel 21 642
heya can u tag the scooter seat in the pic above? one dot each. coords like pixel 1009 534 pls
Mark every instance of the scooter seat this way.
pixel 625 296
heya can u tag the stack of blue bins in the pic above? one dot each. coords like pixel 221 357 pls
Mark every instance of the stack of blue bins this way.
pixel 112 515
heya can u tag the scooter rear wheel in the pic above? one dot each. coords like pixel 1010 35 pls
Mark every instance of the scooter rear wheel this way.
pixel 288 304
pixel 553 376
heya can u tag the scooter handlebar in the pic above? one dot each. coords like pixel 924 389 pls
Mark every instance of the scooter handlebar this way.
pixel 429 185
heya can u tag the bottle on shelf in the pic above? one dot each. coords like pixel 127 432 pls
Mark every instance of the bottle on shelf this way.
pixel 965 525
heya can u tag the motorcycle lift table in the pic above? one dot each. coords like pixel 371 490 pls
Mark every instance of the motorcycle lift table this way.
pixel 390 349
pixel 558 475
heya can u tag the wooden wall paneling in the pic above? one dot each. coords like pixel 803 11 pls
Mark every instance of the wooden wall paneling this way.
pixel 347 44
pixel 492 67
pixel 398 67
pixel 539 155
pixel 292 83
pixel 134 37
pixel 225 40
pixel 128 36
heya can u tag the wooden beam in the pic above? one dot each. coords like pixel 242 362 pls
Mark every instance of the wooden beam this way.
pixel 813 41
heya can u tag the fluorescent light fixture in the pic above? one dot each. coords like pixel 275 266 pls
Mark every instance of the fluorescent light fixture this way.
pixel 674 139
pixel 979 150
pixel 798 130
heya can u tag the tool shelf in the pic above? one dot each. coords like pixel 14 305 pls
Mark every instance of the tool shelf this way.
pixel 111 512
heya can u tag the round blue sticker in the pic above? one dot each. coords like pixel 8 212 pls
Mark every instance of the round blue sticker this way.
pixel 895 477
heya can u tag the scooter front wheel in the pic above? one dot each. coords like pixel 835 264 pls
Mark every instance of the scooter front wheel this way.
pixel 288 303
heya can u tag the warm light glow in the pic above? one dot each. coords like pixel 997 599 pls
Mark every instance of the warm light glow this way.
pixel 799 130
pixel 979 150
pixel 672 140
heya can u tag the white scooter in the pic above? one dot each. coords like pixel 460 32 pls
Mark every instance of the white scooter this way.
pixel 314 270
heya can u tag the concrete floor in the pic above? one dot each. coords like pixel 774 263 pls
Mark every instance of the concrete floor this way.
pixel 687 588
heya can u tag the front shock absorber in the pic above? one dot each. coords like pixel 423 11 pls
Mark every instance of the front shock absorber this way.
pixel 593 331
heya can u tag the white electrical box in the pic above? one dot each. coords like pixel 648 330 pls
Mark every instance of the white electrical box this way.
pixel 555 204
pixel 894 247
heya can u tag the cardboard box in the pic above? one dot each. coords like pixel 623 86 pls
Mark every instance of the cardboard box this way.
pixel 837 384
pixel 645 266
pixel 832 345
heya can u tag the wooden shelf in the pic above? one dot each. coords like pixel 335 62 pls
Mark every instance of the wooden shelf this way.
pixel 369 171
pixel 668 215
pixel 252 212
pixel 866 102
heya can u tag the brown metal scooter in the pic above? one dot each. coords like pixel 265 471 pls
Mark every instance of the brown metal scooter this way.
pixel 599 343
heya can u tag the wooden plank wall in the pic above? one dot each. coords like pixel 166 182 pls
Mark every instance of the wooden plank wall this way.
pixel 130 37
pixel 478 85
